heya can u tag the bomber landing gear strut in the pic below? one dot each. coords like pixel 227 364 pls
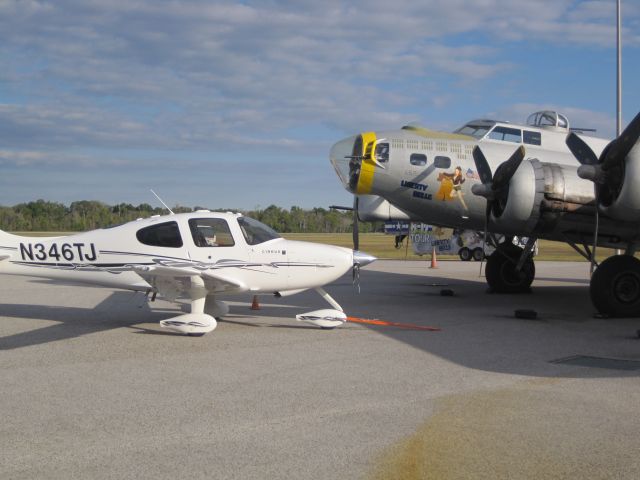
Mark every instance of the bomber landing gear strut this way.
pixel 615 287
pixel 510 269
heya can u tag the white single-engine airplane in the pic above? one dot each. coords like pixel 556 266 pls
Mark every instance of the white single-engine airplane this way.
pixel 539 180
pixel 192 255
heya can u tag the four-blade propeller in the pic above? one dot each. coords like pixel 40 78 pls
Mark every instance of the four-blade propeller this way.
pixel 495 188
pixel 607 171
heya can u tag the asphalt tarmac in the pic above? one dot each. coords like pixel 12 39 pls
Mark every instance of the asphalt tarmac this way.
pixel 92 387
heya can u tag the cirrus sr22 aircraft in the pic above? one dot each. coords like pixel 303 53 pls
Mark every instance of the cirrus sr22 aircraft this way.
pixel 539 180
pixel 193 256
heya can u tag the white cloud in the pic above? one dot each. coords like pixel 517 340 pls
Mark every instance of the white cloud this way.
pixel 128 76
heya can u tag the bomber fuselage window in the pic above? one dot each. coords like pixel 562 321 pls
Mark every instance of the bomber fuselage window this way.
pixel 418 159
pixel 211 232
pixel 162 235
pixel 442 162
pixel 506 134
pixel 382 152
pixel 532 138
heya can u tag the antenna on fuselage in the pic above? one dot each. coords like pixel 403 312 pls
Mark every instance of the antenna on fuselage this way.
pixel 165 205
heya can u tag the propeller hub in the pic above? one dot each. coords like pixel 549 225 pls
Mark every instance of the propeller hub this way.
pixel 482 190
pixel 361 258
pixel 589 172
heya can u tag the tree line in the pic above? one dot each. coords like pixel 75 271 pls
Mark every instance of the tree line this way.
pixel 45 216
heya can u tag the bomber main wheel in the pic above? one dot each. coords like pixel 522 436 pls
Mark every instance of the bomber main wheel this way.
pixel 615 287
pixel 465 254
pixel 501 273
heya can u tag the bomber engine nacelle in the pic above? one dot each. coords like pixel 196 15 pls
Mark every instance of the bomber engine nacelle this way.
pixel 372 208
pixel 536 197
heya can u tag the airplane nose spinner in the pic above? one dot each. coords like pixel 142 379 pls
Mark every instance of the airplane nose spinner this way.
pixel 362 258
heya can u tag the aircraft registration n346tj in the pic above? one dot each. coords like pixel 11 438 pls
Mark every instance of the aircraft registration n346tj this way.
pixel 194 256
pixel 539 180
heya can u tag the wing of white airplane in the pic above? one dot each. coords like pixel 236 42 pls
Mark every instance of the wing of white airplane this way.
pixel 218 283
pixel 173 281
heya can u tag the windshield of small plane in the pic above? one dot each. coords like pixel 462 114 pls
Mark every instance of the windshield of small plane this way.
pixel 477 131
pixel 256 232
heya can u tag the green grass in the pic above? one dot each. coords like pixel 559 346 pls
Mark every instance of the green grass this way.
pixel 382 246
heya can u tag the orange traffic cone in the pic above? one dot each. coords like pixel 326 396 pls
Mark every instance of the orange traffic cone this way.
pixel 255 305
pixel 434 260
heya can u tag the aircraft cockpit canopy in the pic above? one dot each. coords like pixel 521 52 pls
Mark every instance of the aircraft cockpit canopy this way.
pixel 476 128
pixel 548 119
pixel 256 232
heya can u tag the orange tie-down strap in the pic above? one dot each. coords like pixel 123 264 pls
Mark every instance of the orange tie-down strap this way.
pixel 391 324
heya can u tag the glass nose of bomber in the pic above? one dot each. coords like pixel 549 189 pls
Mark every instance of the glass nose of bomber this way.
pixel 346 159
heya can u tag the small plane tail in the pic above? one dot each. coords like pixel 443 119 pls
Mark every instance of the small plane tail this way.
pixel 6 237
pixel 8 244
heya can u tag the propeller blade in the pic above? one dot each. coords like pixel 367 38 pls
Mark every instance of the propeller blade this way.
pixel 583 152
pixel 484 236
pixel 355 274
pixel 360 259
pixel 595 238
pixel 619 148
pixel 482 166
pixel 506 169
pixel 356 232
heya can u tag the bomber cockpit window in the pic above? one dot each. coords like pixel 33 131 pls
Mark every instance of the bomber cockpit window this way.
pixel 162 235
pixel 477 131
pixel 382 152
pixel 256 232
pixel 506 134
pixel 211 232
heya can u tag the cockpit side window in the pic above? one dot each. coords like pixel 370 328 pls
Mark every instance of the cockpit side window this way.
pixel 506 134
pixel 382 152
pixel 162 235
pixel 211 232
pixel 532 138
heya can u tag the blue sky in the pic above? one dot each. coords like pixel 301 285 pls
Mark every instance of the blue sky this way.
pixel 236 104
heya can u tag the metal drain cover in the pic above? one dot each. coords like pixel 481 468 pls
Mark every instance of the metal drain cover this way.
pixel 599 362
